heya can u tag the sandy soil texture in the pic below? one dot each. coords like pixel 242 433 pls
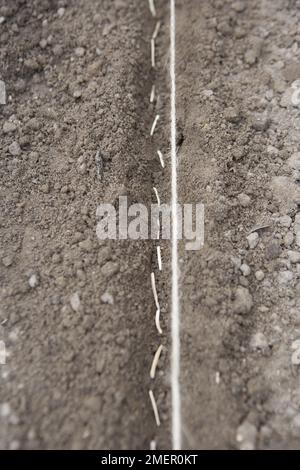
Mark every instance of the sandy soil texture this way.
pixel 76 313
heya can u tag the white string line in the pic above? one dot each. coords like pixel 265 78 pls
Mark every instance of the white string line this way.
pixel 154 125
pixel 175 314
pixel 155 361
pixel 152 8
pixel 154 406
pixel 161 158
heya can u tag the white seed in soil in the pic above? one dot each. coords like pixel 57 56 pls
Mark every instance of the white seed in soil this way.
pixel 75 301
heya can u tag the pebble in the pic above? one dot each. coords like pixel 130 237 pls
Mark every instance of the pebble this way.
pixel 253 240
pixel 43 43
pixel 295 344
pixel 7 261
pixel 288 239
pixel 79 51
pixel 5 410
pixel 260 123
pixel 245 269
pixel 243 302
pixel 244 200
pixel 298 238
pixel 110 268
pixel 284 277
pixel 14 149
pixel 9 127
pixel 232 114
pixel 259 275
pixel 251 56
pixel 75 301
pixel 294 256
pixel 77 94
pixel 246 436
pixel 272 250
pixel 33 281
pixel 239 6
pixel 296 357
pixel 285 221
pixel 61 12
pixel 107 298
pixel 259 341
pixel 294 161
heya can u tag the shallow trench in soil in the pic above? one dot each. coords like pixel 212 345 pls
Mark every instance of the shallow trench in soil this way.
pixel 77 313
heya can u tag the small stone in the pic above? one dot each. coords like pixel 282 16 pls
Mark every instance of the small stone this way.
pixel 259 275
pixel 57 50
pixel 245 269
pixel 86 245
pixel 294 161
pixel 33 281
pixel 107 298
pixel 288 239
pixel 298 238
pixel 246 436
pixel 296 357
pixel 273 250
pixel 295 344
pixel 253 240
pixel 77 94
pixel 259 341
pixel 79 51
pixel 260 123
pixel 61 12
pixel 239 6
pixel 232 114
pixel 43 43
pixel 75 301
pixel 243 301
pixel 251 56
pixel 100 363
pixel 244 200
pixel 285 277
pixel 14 149
pixel 7 261
pixel 110 268
pixel 9 127
pixel 5 410
pixel 285 221
pixel 294 256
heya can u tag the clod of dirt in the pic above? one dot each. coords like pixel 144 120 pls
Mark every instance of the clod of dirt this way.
pixel 243 302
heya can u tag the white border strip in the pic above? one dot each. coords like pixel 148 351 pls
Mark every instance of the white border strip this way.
pixel 175 315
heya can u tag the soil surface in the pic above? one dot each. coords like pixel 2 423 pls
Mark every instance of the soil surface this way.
pixel 77 313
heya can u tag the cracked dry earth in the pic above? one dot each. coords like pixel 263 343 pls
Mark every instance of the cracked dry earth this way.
pixel 77 314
